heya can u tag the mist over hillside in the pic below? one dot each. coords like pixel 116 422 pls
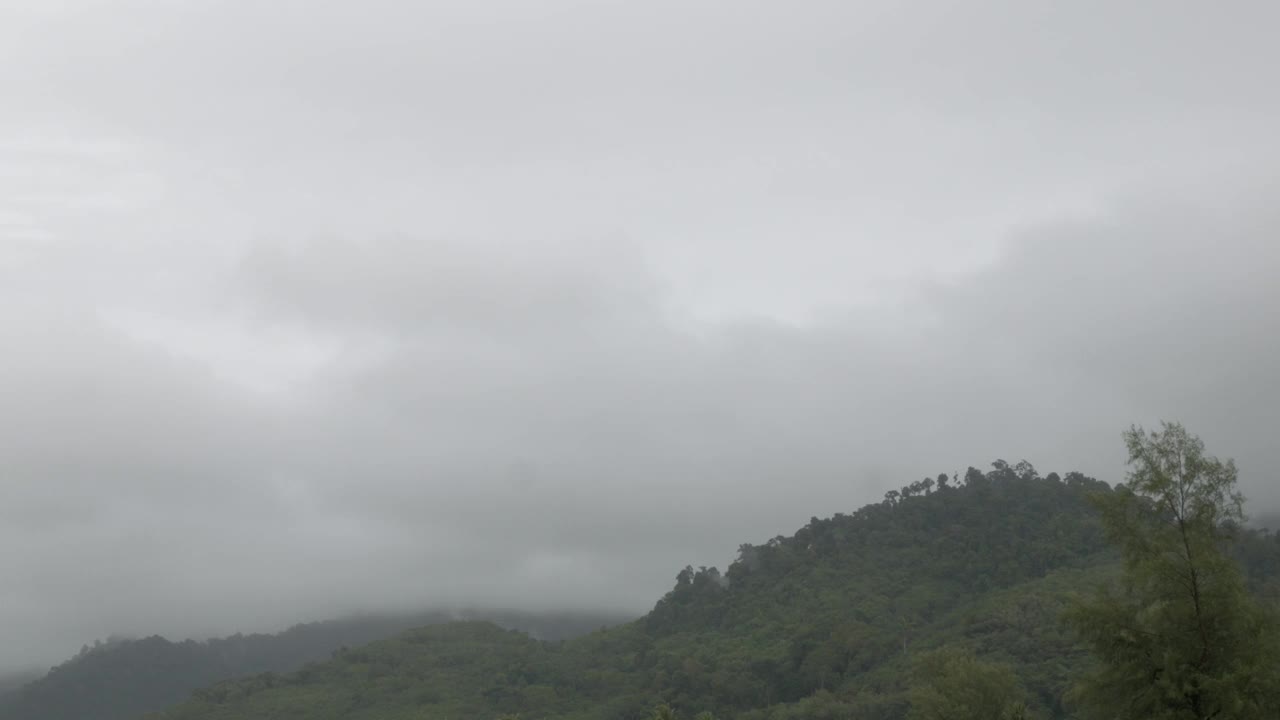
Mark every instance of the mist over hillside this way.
pixel 540 298
pixel 122 678
pixel 18 678
pixel 832 621
pixel 317 309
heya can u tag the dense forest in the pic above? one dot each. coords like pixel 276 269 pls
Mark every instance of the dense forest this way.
pixel 963 597
pixel 121 679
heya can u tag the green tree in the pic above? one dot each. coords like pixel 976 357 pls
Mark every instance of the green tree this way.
pixel 1181 638
pixel 952 684
pixel 664 712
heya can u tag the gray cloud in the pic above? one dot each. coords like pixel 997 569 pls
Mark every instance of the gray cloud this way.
pixel 411 303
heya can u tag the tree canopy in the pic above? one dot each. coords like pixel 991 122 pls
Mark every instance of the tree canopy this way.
pixel 943 602
pixel 1181 637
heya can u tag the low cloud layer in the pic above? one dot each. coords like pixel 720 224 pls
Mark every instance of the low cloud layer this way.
pixel 364 316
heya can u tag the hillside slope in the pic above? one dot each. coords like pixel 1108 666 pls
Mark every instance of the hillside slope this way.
pixel 822 624
pixel 12 681
pixel 121 680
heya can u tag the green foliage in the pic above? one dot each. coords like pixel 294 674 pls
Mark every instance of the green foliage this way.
pixel 663 712
pixel 1181 637
pixel 835 622
pixel 825 623
pixel 953 684
pixel 122 679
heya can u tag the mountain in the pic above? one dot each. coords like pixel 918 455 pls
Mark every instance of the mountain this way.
pixel 125 678
pixel 12 681
pixel 825 623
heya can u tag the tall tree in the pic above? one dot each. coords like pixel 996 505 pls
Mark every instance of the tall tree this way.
pixel 1181 638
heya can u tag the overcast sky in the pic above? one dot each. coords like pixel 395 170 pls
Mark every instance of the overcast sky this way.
pixel 314 306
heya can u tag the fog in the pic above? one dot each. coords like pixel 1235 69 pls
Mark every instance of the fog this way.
pixel 308 308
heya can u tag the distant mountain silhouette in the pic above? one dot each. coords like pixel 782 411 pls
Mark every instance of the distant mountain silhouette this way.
pixel 122 679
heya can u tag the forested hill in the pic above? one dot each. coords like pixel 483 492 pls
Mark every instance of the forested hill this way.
pixel 826 623
pixel 10 682
pixel 123 679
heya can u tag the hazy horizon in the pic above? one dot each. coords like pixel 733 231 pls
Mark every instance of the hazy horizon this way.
pixel 314 308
